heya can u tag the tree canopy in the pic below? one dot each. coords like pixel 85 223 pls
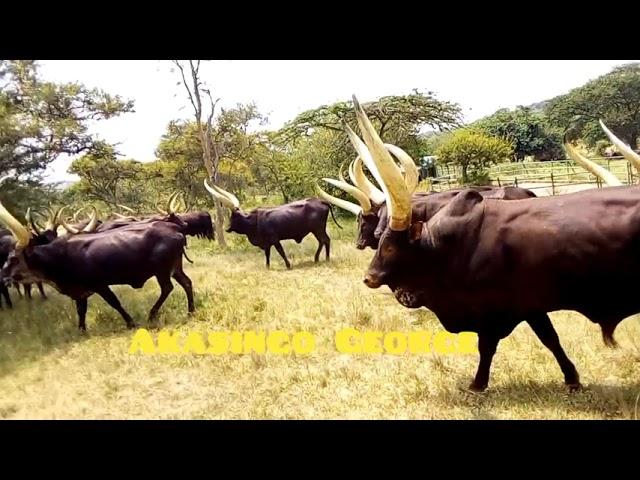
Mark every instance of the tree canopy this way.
pixel 528 131
pixel 40 120
pixel 614 98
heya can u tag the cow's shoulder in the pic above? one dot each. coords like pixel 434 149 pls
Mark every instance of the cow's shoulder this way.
pixel 457 218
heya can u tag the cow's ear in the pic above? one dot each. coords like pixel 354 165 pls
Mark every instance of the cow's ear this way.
pixel 415 232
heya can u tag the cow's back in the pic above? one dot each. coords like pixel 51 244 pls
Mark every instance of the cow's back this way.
pixel 292 221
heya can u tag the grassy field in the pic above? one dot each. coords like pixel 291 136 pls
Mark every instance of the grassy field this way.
pixel 49 370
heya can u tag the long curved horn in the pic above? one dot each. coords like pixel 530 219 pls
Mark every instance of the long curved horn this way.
pixel 605 175
pixel 30 221
pixel 232 198
pixel 218 196
pixel 340 175
pixel 338 202
pixel 360 180
pixel 175 202
pixel 52 220
pixel 160 210
pixel 411 174
pixel 356 193
pixel 21 234
pixel 66 226
pixel 75 215
pixel 365 155
pixel 398 195
pixel 626 150
pixel 124 207
pixel 170 202
pixel 93 223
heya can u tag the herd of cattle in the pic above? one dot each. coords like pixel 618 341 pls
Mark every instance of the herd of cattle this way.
pixel 483 259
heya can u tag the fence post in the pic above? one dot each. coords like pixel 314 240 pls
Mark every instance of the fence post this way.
pixel 553 186
pixel 498 178
pixel 516 181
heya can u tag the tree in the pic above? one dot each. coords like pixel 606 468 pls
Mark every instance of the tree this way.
pixel 210 155
pixel 293 172
pixel 114 182
pixel 180 151
pixel 398 120
pixel 474 151
pixel 527 130
pixel 613 97
pixel 40 121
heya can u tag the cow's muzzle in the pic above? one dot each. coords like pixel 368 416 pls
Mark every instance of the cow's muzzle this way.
pixel 372 281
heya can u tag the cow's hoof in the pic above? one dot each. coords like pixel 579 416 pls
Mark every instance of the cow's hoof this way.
pixel 477 388
pixel 574 387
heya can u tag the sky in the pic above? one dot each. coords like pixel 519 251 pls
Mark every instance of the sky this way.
pixel 284 88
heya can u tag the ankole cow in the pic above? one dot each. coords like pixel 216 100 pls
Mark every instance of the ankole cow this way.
pixel 371 212
pixel 485 265
pixel 87 263
pixel 266 227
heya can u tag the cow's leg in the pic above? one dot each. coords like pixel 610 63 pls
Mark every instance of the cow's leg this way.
pixel 186 284
pixel 324 241
pixel 17 285
pixel 4 291
pixel 282 254
pixel 267 254
pixel 327 246
pixel 81 308
pixel 112 300
pixel 487 345
pixel 27 290
pixel 543 328
pixel 166 288
pixel 41 288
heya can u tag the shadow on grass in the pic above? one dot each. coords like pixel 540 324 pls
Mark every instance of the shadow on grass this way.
pixel 604 401
pixel 35 329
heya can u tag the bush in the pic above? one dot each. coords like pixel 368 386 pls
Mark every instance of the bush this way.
pixel 474 151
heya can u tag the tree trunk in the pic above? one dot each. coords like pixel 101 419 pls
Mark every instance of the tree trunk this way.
pixel 219 218
pixel 464 174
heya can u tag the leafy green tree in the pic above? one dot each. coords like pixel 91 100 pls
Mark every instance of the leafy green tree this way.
pixel 114 182
pixel 39 121
pixel 213 131
pixel 398 119
pixel 613 97
pixel 474 151
pixel 527 130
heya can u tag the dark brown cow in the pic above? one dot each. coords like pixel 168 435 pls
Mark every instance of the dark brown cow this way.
pixel 268 226
pixel 372 215
pixel 86 263
pixel 485 265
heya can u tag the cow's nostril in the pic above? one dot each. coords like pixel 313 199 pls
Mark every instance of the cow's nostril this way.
pixel 371 281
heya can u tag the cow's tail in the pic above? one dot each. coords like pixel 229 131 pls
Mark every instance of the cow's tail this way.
pixel 185 256
pixel 334 218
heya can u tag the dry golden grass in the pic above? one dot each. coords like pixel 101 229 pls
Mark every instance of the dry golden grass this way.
pixel 49 370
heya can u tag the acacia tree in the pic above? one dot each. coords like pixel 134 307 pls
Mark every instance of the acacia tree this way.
pixel 613 97
pixel 398 120
pixel 196 90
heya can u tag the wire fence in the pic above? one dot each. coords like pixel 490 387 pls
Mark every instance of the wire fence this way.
pixel 552 177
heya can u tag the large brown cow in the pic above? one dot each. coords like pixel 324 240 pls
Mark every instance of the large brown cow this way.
pixel 268 226
pixel 371 213
pixel 485 265
pixel 83 264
